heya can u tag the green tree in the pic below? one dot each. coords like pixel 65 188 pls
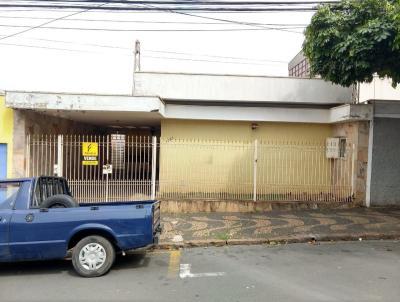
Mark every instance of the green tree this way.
pixel 350 41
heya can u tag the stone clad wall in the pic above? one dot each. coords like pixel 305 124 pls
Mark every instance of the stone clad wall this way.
pixel 357 133
pixel 29 122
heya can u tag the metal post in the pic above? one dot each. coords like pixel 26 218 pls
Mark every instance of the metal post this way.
pixel 28 156
pixel 153 167
pixel 107 160
pixel 370 157
pixel 255 170
pixel 136 63
pixel 60 155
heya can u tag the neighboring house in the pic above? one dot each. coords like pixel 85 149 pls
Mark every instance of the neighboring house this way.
pixel 218 137
pixel 383 185
pixel 6 138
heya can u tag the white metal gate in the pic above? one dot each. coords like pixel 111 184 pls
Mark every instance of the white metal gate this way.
pixel 123 167
pixel 255 170
pixel 117 167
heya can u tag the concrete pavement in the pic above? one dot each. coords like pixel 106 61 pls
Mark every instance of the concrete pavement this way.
pixel 341 271
pixel 199 229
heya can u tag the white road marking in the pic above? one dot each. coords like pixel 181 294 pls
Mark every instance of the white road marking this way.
pixel 185 272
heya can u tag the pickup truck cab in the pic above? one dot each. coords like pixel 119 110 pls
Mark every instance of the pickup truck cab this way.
pixel 40 220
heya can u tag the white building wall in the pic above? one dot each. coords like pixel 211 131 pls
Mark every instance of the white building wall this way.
pixel 236 88
pixel 378 89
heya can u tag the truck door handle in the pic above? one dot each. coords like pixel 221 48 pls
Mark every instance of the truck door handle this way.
pixel 29 217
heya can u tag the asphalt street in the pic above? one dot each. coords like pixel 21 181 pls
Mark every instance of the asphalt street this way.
pixel 346 271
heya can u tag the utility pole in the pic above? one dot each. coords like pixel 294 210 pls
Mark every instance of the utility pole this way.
pixel 136 63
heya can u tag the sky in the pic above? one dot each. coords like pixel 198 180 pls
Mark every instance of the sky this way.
pixel 97 61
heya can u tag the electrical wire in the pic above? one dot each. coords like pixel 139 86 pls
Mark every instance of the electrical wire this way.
pixel 45 23
pixel 226 20
pixel 141 30
pixel 179 8
pixel 239 2
pixel 146 56
pixel 153 51
pixel 298 25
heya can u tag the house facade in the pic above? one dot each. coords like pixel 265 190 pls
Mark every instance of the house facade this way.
pixel 199 137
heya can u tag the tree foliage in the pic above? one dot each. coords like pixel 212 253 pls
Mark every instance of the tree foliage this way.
pixel 350 41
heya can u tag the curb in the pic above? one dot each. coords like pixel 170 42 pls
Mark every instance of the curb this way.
pixel 278 240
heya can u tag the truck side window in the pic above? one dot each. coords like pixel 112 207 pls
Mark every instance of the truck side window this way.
pixel 8 193
pixel 47 187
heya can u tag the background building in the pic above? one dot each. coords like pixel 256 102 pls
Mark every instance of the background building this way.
pixel 299 66
pixel 6 138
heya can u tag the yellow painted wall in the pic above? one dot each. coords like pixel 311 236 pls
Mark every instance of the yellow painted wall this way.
pixel 6 131
pixel 217 156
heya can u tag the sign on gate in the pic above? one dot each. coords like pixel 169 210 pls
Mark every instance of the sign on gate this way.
pixel 90 152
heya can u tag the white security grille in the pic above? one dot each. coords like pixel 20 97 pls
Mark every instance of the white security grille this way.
pixel 130 158
pixel 192 169
pixel 258 170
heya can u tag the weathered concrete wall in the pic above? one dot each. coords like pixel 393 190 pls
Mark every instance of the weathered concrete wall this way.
pixel 385 170
pixel 29 122
pixel 357 134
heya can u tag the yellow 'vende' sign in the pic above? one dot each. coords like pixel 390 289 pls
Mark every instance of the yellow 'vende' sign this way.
pixel 90 152
pixel 90 149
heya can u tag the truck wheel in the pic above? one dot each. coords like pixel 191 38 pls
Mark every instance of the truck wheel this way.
pixel 59 201
pixel 93 256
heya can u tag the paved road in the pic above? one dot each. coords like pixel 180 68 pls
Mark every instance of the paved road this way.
pixel 357 271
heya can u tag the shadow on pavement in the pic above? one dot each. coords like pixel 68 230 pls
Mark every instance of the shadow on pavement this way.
pixel 131 261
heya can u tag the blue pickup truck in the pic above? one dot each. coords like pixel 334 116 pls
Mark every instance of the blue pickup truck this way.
pixel 40 220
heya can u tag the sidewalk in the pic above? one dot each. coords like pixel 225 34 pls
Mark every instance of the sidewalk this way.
pixel 203 229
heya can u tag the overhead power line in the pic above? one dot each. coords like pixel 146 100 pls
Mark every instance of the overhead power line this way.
pixel 225 20
pixel 140 30
pixel 153 50
pixel 180 8
pixel 228 2
pixel 184 5
pixel 288 25
pixel 45 23
pixel 147 56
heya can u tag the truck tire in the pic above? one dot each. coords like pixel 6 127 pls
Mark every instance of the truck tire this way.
pixel 93 256
pixel 59 201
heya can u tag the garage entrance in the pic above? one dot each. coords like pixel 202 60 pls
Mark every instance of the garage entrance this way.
pixel 115 167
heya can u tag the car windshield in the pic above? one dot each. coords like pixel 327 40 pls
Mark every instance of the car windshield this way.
pixel 8 193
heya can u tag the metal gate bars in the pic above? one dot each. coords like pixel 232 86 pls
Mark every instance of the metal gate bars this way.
pixel 125 167
pixel 113 167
